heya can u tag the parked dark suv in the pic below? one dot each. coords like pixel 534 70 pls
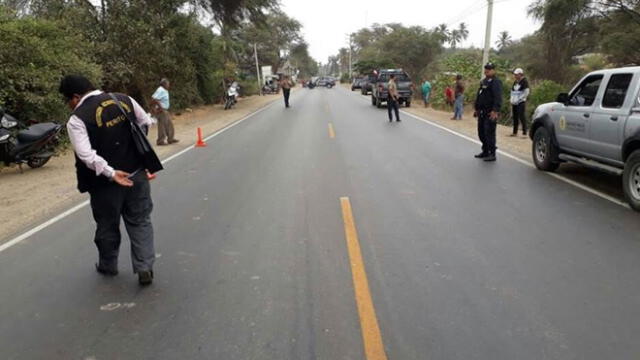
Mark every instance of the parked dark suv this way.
pixel 367 84
pixel 380 93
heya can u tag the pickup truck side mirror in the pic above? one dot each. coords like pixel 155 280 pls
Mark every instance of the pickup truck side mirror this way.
pixel 563 98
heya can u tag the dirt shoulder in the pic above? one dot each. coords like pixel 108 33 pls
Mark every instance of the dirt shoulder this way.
pixel 30 198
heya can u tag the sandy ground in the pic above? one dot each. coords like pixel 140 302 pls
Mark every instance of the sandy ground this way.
pixel 29 198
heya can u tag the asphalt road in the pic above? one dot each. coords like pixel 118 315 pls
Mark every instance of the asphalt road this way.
pixel 464 259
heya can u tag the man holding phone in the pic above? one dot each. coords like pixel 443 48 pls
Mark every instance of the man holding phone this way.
pixel 112 170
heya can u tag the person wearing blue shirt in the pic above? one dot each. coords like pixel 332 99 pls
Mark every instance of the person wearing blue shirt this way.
pixel 426 92
pixel 160 105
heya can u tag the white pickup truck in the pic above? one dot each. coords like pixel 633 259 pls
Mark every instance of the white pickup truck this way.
pixel 597 124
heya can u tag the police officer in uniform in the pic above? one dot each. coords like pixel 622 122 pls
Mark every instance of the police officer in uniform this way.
pixel 111 168
pixel 487 109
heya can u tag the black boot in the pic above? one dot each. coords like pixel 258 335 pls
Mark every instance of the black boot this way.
pixel 145 277
pixel 482 155
pixel 106 271
pixel 490 157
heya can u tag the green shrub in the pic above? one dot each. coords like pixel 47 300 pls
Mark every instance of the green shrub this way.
pixel 541 93
pixel 34 55
pixel 249 86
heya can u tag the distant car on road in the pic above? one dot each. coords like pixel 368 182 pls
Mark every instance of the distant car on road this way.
pixel 380 93
pixel 597 125
pixel 357 83
pixel 326 82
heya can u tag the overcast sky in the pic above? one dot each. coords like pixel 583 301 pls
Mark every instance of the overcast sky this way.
pixel 326 22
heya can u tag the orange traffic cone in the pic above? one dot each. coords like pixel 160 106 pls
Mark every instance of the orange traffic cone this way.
pixel 200 142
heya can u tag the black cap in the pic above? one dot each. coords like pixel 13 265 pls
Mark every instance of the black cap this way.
pixel 489 66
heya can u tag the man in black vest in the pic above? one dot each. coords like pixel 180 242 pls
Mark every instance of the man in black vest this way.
pixel 487 110
pixel 112 170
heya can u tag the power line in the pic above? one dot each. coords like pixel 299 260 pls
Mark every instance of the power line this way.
pixel 471 10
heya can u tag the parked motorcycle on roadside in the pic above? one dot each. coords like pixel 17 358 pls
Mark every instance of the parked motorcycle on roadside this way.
pixel 232 95
pixel 33 146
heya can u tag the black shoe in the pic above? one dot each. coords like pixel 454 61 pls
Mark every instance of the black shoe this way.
pixel 106 272
pixel 482 155
pixel 145 277
pixel 490 157
pixel 398 120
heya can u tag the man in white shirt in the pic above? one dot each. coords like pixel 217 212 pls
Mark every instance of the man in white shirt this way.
pixel 519 94
pixel 111 169
pixel 160 104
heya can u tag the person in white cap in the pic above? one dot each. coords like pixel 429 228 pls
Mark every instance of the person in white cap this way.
pixel 519 93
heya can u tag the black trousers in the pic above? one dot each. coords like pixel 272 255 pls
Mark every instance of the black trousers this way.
pixel 133 204
pixel 393 105
pixel 487 132
pixel 286 93
pixel 519 117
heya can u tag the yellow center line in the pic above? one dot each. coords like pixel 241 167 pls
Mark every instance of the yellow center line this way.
pixel 372 339
pixel 332 132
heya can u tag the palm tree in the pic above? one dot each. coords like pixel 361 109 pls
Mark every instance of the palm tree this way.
pixel 443 31
pixel 455 37
pixel 463 30
pixel 504 40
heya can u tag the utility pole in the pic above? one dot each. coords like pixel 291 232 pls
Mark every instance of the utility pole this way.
pixel 255 54
pixel 350 61
pixel 487 36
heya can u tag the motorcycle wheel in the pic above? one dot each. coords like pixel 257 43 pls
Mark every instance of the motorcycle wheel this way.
pixel 35 163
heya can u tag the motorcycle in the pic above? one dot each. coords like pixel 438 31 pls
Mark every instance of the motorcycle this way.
pixel 232 95
pixel 34 145
pixel 268 90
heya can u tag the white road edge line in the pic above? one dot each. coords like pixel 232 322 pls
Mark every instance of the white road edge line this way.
pixel 522 161
pixel 74 209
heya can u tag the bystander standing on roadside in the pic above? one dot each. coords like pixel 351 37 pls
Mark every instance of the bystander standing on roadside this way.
pixel 426 92
pixel 112 157
pixel 487 109
pixel 286 84
pixel 392 98
pixel 448 96
pixel 160 105
pixel 458 107
pixel 519 94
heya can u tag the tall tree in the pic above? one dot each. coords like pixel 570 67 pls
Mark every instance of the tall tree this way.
pixel 455 37
pixel 463 30
pixel 504 40
pixel 442 31
pixel 569 28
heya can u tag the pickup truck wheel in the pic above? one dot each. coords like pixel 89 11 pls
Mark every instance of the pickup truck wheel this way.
pixel 373 100
pixel 408 103
pixel 631 180
pixel 378 103
pixel 544 152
